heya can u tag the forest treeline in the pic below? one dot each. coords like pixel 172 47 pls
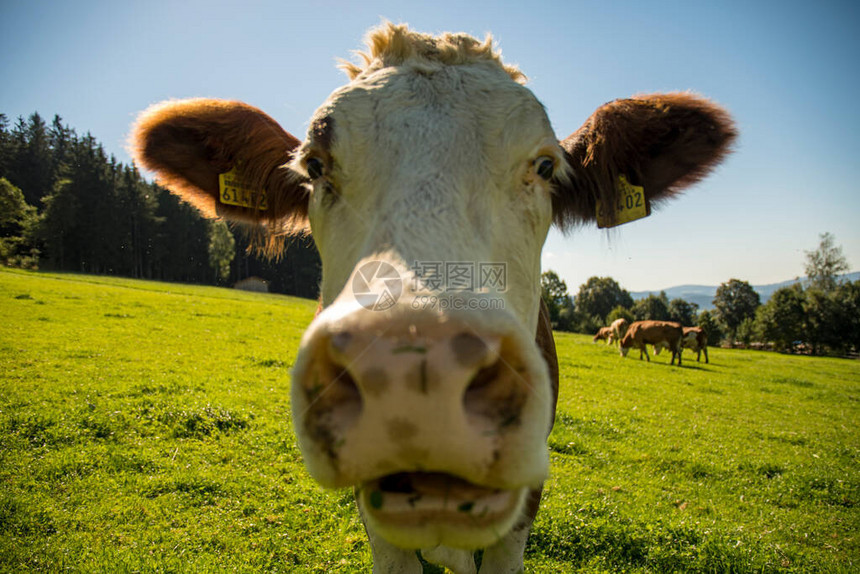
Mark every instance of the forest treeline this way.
pixel 66 205
pixel 820 315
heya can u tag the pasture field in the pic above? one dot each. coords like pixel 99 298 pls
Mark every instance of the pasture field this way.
pixel 145 427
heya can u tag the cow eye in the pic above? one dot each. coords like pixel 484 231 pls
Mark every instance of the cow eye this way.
pixel 315 167
pixel 544 166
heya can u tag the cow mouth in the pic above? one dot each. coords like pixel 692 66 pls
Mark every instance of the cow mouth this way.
pixel 421 509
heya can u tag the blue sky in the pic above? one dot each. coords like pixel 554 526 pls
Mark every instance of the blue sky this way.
pixel 786 70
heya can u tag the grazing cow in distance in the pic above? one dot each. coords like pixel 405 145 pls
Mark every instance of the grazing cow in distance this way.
pixel 603 334
pixel 695 339
pixel 432 397
pixel 619 329
pixel 658 333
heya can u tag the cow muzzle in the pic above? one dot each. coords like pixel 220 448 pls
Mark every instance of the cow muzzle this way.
pixel 438 420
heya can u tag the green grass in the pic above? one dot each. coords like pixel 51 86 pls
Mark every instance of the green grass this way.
pixel 145 427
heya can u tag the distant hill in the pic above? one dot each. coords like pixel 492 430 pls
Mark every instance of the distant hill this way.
pixel 703 295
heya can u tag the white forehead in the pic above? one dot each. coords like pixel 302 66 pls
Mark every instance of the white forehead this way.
pixel 477 97
pixel 418 92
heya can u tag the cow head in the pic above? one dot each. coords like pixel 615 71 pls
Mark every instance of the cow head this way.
pixel 429 183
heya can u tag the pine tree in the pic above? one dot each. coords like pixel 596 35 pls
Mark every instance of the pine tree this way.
pixel 31 164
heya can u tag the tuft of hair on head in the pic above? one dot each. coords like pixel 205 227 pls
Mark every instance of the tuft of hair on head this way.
pixel 395 44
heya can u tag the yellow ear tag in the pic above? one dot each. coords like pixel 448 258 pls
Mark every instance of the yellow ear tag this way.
pixel 631 205
pixel 233 191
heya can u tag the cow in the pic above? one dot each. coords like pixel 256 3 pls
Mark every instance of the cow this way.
pixel 695 339
pixel 603 334
pixel 658 333
pixel 430 397
pixel 619 329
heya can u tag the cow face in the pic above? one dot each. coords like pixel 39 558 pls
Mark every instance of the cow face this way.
pixel 425 392
pixel 434 401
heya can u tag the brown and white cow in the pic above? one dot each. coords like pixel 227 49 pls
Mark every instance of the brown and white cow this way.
pixel 619 329
pixel 661 334
pixel 433 152
pixel 696 340
pixel 603 334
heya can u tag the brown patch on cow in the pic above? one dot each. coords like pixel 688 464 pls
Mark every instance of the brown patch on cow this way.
pixel 469 350
pixel 546 344
pixel 662 142
pixel 375 381
pixel 531 509
pixel 401 430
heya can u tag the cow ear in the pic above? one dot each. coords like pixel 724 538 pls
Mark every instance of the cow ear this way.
pixel 226 158
pixel 660 142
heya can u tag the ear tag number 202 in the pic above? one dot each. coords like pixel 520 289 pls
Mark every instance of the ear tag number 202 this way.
pixel 630 206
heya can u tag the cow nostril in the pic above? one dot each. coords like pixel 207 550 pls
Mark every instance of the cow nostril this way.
pixel 495 396
pixel 482 387
pixel 346 384
pixel 332 391
pixel 483 378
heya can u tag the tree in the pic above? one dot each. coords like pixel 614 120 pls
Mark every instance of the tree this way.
pixel 782 318
pixel 710 326
pixel 822 320
pixel 58 223
pixel 620 312
pixel 182 246
pixel 82 225
pixel 60 140
pixel 554 293
pixel 832 319
pixel 136 206
pixel 17 219
pixel 31 168
pixel 746 331
pixel 598 296
pixel 567 318
pixel 825 264
pixel 847 298
pixel 6 147
pixel 683 312
pixel 735 301
pixel 652 308
pixel 222 248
